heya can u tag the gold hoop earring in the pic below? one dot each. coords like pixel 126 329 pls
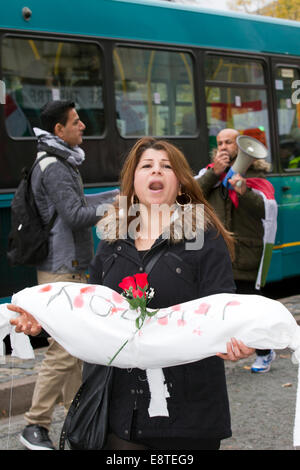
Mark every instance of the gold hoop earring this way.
pixel 183 199
pixel 134 199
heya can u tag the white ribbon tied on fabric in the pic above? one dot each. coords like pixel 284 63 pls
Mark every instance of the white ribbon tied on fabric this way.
pixel 158 392
pixel 92 322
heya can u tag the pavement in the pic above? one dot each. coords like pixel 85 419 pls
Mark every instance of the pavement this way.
pixel 262 405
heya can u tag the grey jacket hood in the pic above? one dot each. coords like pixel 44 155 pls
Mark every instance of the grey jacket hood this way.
pixel 53 145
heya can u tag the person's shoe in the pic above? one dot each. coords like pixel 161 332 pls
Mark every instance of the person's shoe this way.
pixel 36 437
pixel 263 363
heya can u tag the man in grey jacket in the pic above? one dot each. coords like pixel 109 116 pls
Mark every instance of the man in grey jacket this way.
pixel 57 187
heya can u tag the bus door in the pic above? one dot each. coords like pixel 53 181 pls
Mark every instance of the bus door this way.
pixel 287 184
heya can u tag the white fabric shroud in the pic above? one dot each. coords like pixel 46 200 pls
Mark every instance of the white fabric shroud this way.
pixel 92 322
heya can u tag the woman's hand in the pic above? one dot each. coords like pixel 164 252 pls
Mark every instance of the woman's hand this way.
pixel 25 323
pixel 236 350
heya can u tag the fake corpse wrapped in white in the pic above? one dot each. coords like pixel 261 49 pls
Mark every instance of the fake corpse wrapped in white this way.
pixel 93 322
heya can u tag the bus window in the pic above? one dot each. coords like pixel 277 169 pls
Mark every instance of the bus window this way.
pixel 288 112
pixel 236 97
pixel 233 70
pixel 36 71
pixel 154 92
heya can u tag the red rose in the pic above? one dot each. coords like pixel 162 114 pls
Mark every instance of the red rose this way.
pixel 141 280
pixel 127 282
pixel 137 293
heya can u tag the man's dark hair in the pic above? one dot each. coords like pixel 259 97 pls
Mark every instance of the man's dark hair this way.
pixel 55 112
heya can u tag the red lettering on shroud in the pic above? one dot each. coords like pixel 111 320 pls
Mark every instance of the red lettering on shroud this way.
pixel 46 288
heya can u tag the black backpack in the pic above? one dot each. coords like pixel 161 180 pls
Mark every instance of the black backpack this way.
pixel 28 238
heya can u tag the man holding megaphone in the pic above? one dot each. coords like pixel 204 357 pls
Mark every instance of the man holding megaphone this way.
pixel 236 187
pixel 225 155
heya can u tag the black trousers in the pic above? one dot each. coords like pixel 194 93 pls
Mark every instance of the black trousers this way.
pixel 114 442
pixel 248 287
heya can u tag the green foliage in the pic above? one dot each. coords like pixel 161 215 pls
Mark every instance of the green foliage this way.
pixel 287 9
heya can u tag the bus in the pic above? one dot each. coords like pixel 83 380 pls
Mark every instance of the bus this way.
pixel 136 68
